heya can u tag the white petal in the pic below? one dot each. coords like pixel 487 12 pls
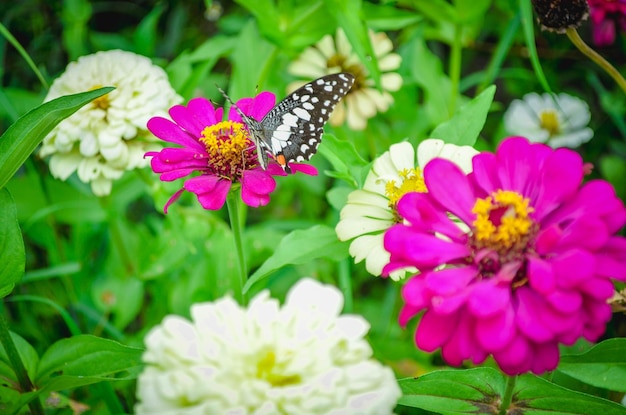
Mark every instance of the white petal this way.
pixel 352 227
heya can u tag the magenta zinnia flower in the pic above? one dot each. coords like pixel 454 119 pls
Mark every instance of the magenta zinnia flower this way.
pixel 605 14
pixel 221 151
pixel 533 271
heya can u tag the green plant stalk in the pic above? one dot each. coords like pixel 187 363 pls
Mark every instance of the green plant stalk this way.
pixel 345 284
pixel 508 395
pixel 232 203
pixel 26 385
pixel 4 32
pixel 573 35
pixel 116 238
pixel 455 67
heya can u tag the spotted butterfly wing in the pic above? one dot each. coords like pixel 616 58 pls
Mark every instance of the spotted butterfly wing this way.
pixel 293 129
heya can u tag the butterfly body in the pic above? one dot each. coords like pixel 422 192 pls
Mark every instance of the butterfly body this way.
pixel 293 128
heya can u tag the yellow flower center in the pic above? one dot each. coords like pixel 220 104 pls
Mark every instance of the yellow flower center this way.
pixel 341 61
pixel 549 120
pixel 100 102
pixel 270 371
pixel 502 221
pixel 229 149
pixel 412 181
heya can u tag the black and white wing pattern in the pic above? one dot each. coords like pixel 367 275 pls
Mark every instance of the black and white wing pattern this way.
pixel 293 129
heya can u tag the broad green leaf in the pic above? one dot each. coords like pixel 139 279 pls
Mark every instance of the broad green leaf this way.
pixel 252 60
pixel 454 391
pixel 344 158
pixel 604 365
pixel 85 359
pixel 21 138
pixel 481 390
pixel 12 255
pixel 465 125
pixel 385 17
pixel 298 247
pixel 28 355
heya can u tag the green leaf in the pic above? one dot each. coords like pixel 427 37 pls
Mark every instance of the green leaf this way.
pixel 345 159
pixel 299 247
pixel 28 355
pixel 83 360
pixel 21 138
pixel 604 365
pixel 145 36
pixel 12 255
pixel 481 390
pixel 384 17
pixel 349 17
pixel 467 122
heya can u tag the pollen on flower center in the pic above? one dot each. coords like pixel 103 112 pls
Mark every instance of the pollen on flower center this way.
pixel 502 221
pixel 550 122
pixel 267 370
pixel 100 102
pixel 228 147
pixel 412 181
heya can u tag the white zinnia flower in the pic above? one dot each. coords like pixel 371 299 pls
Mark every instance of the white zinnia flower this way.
pixel 301 358
pixel 332 55
pixel 557 120
pixel 370 211
pixel 109 135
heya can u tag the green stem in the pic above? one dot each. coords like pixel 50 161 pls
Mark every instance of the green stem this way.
pixel 16 363
pixel 116 237
pixel 573 35
pixel 345 284
pixel 232 203
pixel 455 67
pixel 508 395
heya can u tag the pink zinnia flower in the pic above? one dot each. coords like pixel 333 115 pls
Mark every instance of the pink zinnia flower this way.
pixel 221 151
pixel 533 271
pixel 604 15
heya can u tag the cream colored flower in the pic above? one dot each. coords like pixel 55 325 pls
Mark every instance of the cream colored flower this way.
pixel 301 358
pixel 557 120
pixel 332 55
pixel 370 211
pixel 107 136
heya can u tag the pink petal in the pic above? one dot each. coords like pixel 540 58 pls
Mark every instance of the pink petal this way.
pixel 497 331
pixel 204 111
pixel 611 260
pixel 462 343
pixel 415 292
pixel 541 275
pixel 407 313
pixel 488 298
pixel 447 183
pixel 419 210
pixel 545 357
pixel 256 185
pixel 434 330
pixel 484 175
pixel 210 190
pixel 565 301
pixel 449 281
pixel 561 177
pixel 172 199
pixel 515 358
pixel 187 120
pixel 527 318
pixel 573 267
pixel 256 107
pixel 170 132
pixel 424 251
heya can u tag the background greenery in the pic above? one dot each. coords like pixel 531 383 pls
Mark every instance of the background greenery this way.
pixel 113 267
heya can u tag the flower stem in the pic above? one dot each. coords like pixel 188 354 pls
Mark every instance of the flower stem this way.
pixel 455 67
pixel 232 203
pixel 26 385
pixel 573 35
pixel 345 284
pixel 508 395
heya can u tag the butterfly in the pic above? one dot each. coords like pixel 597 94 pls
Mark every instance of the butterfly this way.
pixel 292 130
